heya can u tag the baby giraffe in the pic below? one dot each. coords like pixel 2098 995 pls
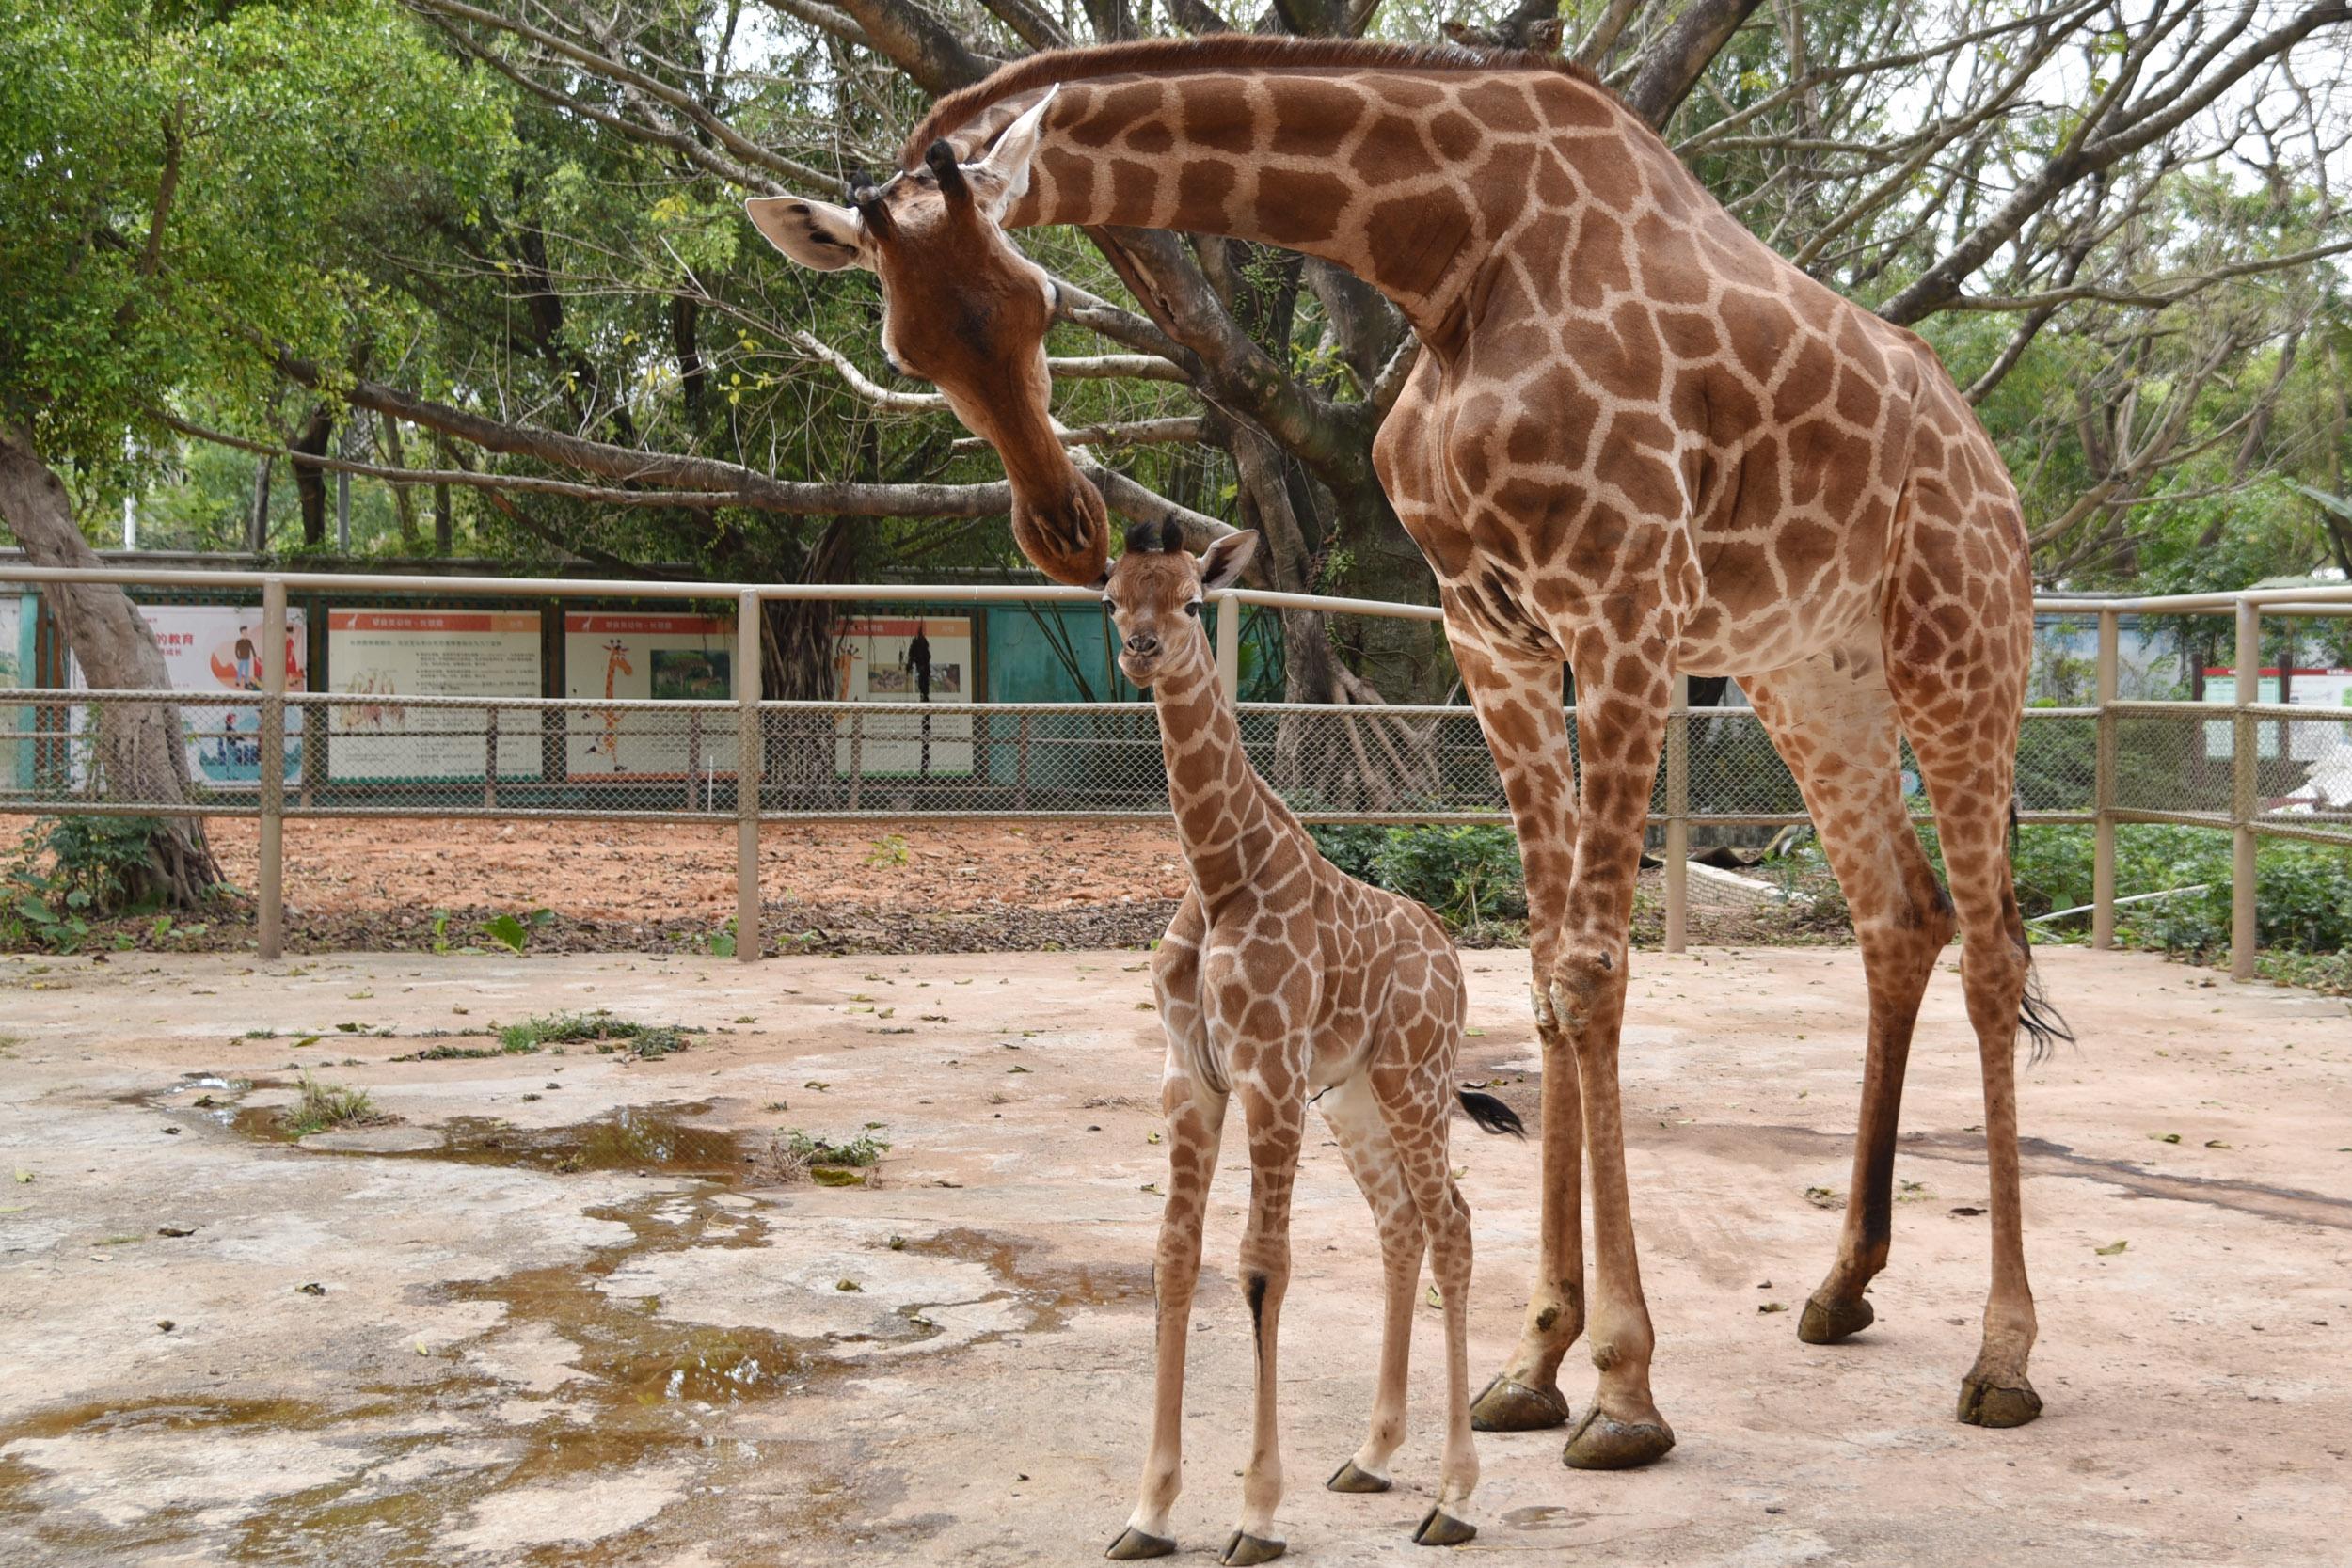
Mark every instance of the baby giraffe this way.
pixel 1281 980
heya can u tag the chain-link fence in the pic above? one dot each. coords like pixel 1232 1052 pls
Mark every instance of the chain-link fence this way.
pixel 2270 756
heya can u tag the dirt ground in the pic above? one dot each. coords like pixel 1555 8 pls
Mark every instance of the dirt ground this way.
pixel 889 886
pixel 560 1313
pixel 583 868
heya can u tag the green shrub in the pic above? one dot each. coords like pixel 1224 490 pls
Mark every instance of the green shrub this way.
pixel 68 872
pixel 1468 875
pixel 1350 847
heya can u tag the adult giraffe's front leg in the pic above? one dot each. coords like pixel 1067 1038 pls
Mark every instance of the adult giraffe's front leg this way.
pixel 1518 696
pixel 1622 683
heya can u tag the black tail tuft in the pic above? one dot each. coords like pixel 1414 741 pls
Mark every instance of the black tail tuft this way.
pixel 2040 1021
pixel 1491 1115
pixel 2035 1015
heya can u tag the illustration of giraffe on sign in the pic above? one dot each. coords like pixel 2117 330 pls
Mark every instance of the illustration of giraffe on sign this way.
pixel 1283 980
pixel 1636 442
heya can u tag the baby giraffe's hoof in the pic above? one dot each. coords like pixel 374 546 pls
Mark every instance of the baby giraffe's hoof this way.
pixel 1602 1443
pixel 1508 1405
pixel 1244 1549
pixel 1132 1546
pixel 1442 1530
pixel 1347 1478
pixel 1994 1404
pixel 1826 1323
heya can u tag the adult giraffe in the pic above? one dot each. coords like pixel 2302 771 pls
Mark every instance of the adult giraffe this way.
pixel 1637 441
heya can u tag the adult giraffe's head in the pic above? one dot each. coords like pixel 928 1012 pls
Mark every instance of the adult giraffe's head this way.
pixel 964 311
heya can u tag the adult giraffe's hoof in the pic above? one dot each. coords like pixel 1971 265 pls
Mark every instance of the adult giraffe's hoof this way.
pixel 1507 1404
pixel 1826 1323
pixel 1132 1546
pixel 1443 1530
pixel 1245 1548
pixel 1984 1403
pixel 1603 1442
pixel 1347 1478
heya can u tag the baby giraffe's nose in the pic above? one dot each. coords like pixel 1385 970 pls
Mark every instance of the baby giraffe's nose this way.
pixel 1143 643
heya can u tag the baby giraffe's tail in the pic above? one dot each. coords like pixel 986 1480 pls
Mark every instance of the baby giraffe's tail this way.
pixel 1491 1115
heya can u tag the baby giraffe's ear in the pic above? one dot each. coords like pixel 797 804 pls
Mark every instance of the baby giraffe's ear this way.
pixel 1221 563
pixel 814 234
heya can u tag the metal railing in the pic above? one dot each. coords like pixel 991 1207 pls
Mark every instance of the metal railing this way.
pixel 2248 768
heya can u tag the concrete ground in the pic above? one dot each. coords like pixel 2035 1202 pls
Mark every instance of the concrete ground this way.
pixel 563 1312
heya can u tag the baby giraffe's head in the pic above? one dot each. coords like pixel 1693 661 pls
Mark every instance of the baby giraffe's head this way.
pixel 1154 594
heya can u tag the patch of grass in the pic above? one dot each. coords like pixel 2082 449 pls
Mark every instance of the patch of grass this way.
pixel 609 1034
pixel 448 1052
pixel 325 1106
pixel 794 1156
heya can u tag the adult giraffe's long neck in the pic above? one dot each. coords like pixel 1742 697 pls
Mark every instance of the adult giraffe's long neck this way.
pixel 1404 177
pixel 1226 817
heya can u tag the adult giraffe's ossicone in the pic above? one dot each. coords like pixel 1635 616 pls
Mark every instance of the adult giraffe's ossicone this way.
pixel 1637 441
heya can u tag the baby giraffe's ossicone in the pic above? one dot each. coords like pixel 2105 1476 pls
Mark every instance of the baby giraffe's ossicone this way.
pixel 1283 980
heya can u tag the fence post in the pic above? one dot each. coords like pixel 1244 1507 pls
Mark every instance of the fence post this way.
pixel 750 766
pixel 2245 759
pixel 1678 813
pixel 273 769
pixel 1228 646
pixel 2103 789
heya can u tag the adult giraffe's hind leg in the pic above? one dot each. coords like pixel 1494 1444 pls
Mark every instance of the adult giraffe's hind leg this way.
pixel 1834 722
pixel 1622 679
pixel 1518 701
pixel 1958 643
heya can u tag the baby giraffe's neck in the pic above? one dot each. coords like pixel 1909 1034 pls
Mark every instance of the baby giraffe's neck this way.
pixel 1227 819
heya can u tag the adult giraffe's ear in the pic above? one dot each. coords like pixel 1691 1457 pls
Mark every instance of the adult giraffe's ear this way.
pixel 1001 177
pixel 814 234
pixel 1221 563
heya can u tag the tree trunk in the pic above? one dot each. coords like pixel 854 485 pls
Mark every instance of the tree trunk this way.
pixel 309 478
pixel 796 649
pixel 142 755
pixel 403 502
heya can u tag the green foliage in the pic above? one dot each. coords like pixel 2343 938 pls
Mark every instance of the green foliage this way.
pixel 607 1032
pixel 1351 846
pixel 99 856
pixel 513 932
pixel 70 871
pixel 274 128
pixel 2302 893
pixel 1467 875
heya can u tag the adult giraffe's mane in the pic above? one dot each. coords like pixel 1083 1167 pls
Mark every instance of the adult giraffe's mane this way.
pixel 1218 52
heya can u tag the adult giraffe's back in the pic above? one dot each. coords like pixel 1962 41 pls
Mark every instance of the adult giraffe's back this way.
pixel 1637 441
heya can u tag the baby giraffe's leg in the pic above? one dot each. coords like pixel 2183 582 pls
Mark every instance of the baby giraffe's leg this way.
pixel 1371 1154
pixel 1417 1105
pixel 1275 1105
pixel 1196 1120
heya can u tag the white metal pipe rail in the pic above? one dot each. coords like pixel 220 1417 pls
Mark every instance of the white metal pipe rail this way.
pixel 746 720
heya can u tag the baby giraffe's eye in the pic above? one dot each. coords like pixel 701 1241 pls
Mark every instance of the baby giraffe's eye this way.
pixel 1192 607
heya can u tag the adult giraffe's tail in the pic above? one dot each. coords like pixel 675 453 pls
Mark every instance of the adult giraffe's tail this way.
pixel 2036 1016
pixel 1491 1115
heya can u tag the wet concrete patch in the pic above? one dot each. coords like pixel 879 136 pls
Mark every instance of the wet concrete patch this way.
pixel 665 1139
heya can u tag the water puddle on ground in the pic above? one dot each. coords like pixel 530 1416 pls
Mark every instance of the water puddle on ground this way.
pixel 665 1139
pixel 625 1396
